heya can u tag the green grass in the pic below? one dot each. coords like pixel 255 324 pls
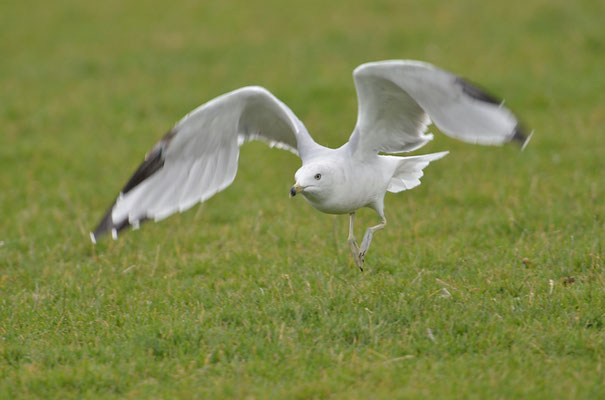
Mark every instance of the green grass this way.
pixel 253 295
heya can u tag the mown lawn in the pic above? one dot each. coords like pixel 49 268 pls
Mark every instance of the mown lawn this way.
pixel 488 281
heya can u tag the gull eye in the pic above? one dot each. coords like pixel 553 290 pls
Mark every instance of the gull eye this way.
pixel 317 177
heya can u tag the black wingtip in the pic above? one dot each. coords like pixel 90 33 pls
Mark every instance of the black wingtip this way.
pixel 521 137
pixel 108 226
pixel 154 161
pixel 477 93
pixel 519 134
pixel 104 226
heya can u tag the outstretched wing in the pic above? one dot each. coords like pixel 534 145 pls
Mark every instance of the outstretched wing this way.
pixel 398 100
pixel 198 157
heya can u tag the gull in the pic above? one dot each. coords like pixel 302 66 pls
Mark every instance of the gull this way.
pixel 397 101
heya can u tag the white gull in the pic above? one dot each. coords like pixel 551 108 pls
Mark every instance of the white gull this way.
pixel 397 101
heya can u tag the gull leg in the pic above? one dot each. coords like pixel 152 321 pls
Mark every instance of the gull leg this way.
pixel 367 238
pixel 353 243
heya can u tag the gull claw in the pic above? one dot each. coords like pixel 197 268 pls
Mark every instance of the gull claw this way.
pixel 359 260
pixel 357 255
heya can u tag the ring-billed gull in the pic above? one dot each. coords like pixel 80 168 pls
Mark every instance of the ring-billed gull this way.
pixel 397 101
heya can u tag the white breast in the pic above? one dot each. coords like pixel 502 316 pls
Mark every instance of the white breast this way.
pixel 360 186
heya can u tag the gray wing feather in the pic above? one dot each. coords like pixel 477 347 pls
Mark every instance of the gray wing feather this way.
pixel 398 99
pixel 199 156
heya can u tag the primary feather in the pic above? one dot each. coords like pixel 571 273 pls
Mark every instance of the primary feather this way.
pixel 198 157
pixel 398 100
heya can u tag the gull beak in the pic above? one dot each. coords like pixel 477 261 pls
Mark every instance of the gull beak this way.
pixel 295 189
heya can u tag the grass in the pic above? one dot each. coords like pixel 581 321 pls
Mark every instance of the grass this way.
pixel 468 293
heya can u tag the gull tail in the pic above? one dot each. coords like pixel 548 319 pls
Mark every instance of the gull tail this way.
pixel 408 170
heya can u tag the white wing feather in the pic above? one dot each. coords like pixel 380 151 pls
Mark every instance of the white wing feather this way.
pixel 398 99
pixel 199 155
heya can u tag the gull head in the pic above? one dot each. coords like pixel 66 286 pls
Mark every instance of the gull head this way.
pixel 315 181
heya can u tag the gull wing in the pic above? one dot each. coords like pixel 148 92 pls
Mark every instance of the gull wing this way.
pixel 198 157
pixel 398 100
